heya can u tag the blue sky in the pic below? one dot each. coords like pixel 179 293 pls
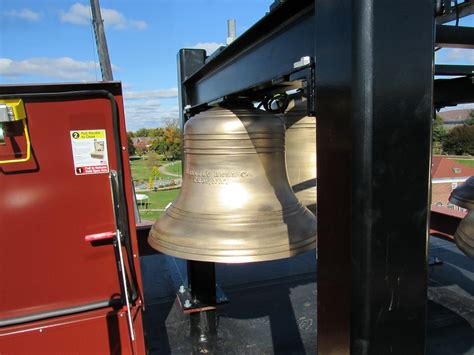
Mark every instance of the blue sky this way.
pixel 52 41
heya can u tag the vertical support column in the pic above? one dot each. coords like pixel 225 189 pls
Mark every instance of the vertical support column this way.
pixel 333 53
pixel 202 282
pixel 201 275
pixel 374 63
pixel 189 60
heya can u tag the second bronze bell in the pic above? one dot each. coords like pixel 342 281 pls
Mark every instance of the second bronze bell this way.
pixel 235 204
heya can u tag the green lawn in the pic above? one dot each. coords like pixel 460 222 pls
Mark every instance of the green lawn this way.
pixel 158 200
pixel 141 171
pixel 175 168
pixel 468 162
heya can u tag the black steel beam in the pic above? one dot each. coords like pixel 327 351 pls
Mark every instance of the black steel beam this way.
pixel 374 109
pixel 463 10
pixel 267 51
pixel 262 54
pixel 454 70
pixel 454 37
pixel 450 92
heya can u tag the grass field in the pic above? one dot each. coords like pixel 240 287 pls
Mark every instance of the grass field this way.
pixel 158 200
pixel 141 171
pixel 175 168
pixel 468 162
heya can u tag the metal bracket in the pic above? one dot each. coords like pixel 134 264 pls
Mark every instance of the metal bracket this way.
pixel 190 305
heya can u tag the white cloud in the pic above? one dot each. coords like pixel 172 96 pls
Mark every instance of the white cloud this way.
pixel 25 14
pixel 455 55
pixel 149 114
pixel 208 46
pixel 64 68
pixel 150 108
pixel 79 14
pixel 151 94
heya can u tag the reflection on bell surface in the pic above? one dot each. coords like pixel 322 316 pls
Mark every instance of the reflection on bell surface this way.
pixel 235 204
pixel 301 153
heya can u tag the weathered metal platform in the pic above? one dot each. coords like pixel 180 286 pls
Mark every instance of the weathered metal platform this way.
pixel 273 307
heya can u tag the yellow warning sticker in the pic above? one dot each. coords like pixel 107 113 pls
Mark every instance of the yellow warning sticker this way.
pixel 89 150
pixel 88 134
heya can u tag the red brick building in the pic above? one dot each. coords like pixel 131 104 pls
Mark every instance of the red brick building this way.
pixel 446 175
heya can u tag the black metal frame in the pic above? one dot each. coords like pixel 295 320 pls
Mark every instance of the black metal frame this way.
pixel 370 83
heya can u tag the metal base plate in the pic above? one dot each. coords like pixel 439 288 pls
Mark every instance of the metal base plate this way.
pixel 188 305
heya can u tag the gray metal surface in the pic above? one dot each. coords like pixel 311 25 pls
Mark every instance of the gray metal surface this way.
pixel 273 305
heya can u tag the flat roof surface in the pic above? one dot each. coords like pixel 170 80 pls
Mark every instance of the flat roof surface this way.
pixel 272 307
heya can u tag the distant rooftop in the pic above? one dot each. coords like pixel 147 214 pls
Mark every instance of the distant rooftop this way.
pixel 455 116
pixel 442 168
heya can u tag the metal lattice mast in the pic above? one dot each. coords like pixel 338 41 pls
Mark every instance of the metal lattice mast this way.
pixel 104 59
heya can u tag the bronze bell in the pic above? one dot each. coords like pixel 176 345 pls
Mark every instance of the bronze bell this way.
pixel 235 203
pixel 301 153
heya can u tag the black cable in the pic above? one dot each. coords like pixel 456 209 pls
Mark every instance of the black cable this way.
pixel 281 101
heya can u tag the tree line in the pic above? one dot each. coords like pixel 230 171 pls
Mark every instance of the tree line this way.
pixel 165 141
pixel 458 141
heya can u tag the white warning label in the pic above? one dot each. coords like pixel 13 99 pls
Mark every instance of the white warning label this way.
pixel 89 150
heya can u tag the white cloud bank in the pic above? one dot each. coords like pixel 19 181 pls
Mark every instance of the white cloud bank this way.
pixel 151 94
pixel 64 68
pixel 24 14
pixel 455 55
pixel 149 114
pixel 79 14
pixel 150 108
pixel 208 46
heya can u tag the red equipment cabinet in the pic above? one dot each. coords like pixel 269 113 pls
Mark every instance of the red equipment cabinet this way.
pixel 59 292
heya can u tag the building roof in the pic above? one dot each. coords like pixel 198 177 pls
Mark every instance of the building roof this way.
pixel 144 140
pixel 455 116
pixel 443 168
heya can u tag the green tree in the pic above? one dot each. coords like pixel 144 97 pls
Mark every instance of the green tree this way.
pixel 438 129
pixel 168 141
pixel 152 159
pixel 131 147
pixel 155 172
pixel 142 132
pixel 470 121
pixel 439 132
pixel 460 140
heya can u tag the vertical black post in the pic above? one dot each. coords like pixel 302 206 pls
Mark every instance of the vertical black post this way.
pixel 201 275
pixel 189 60
pixel 202 282
pixel 333 52
pixel 374 63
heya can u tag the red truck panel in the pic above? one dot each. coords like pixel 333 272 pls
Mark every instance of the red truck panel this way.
pixel 46 212
pixel 103 331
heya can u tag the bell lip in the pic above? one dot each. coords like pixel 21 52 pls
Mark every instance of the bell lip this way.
pixel 310 244
pixel 461 202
